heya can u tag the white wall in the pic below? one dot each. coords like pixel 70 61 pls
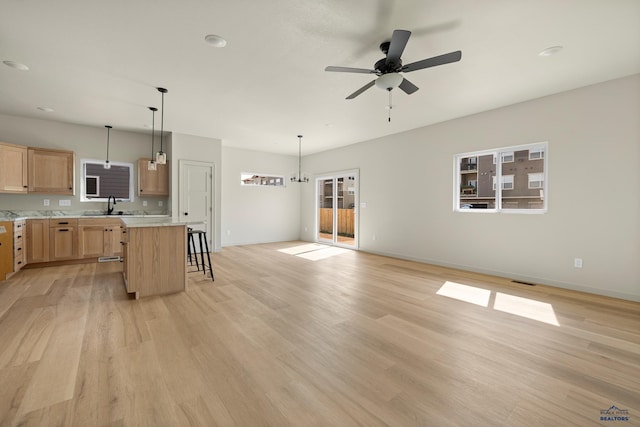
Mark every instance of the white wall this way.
pixel 87 142
pixel 594 192
pixel 258 214
pixel 198 148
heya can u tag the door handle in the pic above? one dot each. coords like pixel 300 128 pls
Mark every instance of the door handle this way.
pixel 186 213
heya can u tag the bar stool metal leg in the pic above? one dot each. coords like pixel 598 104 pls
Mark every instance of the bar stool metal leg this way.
pixel 206 245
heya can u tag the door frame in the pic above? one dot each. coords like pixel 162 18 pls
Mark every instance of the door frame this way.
pixel 182 164
pixel 356 206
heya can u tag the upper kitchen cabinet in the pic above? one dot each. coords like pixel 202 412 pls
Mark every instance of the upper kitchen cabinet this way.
pixel 152 182
pixel 51 171
pixel 13 168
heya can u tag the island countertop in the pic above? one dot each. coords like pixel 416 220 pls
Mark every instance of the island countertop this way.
pixel 154 222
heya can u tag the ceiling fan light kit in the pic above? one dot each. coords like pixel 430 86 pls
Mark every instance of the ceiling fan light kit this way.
pixel 389 81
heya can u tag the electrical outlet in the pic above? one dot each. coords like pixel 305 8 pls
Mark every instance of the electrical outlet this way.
pixel 144 203
pixel 577 262
pixel 228 232
pixel 374 237
pixel 64 202
pixel 160 203
pixel 45 202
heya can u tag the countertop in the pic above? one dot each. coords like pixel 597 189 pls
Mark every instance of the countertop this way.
pixel 48 214
pixel 131 221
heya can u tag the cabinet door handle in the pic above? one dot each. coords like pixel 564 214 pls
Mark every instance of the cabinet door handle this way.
pixel 19 249
pixel 19 237
pixel 63 222
pixel 19 262
pixel 63 229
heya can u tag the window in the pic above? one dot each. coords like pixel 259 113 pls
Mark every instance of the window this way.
pixel 536 153
pixel 507 157
pixel 98 183
pixel 256 180
pixel 536 180
pixel 515 184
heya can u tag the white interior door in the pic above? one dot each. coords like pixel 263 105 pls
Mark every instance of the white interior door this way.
pixel 196 197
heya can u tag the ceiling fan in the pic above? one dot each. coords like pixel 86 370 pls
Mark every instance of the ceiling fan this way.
pixel 388 69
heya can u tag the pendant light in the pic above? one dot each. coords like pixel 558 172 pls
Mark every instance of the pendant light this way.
pixel 299 177
pixel 161 156
pixel 152 163
pixel 107 165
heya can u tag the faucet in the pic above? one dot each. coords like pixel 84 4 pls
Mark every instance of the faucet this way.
pixel 109 207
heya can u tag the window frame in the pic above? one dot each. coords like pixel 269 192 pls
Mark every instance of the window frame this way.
pixel 83 176
pixel 539 147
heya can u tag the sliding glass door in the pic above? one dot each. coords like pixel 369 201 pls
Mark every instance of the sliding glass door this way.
pixel 336 209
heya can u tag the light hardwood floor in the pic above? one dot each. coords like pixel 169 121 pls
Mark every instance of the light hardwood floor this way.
pixel 342 340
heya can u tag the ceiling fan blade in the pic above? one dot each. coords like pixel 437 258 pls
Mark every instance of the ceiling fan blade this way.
pixel 398 42
pixel 349 70
pixel 408 87
pixel 362 89
pixel 432 62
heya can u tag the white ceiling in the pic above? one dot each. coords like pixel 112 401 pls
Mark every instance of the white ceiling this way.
pixel 99 62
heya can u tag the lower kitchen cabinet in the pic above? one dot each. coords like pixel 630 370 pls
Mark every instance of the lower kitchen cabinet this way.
pixel 63 239
pixel 37 240
pixel 99 238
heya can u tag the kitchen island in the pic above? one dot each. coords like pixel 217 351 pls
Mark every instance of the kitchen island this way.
pixel 154 253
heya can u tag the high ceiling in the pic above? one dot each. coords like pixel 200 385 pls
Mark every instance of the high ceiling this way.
pixel 99 62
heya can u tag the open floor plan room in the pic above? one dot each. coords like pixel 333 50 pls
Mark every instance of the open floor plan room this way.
pixel 302 334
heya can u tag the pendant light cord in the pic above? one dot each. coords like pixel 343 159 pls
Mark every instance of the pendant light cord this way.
pixel 108 129
pixel 153 130
pixel 299 158
pixel 162 123
pixel 390 105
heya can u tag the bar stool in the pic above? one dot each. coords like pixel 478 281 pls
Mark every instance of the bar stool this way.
pixel 191 250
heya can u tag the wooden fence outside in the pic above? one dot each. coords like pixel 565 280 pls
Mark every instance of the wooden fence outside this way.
pixel 345 221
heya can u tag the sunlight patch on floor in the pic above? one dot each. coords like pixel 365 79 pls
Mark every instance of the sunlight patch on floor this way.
pixel 465 293
pixel 314 251
pixel 524 307
pixel 295 250
pixel 323 253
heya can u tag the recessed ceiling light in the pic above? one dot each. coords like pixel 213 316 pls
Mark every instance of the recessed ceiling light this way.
pixel 16 65
pixel 215 41
pixel 46 109
pixel 551 51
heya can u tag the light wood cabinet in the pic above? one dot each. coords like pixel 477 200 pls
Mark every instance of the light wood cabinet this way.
pixel 63 239
pixel 155 260
pixel 6 249
pixel 99 237
pixel 152 183
pixel 37 240
pixel 51 171
pixel 13 168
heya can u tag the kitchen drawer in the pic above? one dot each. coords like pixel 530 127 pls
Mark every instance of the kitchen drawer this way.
pixel 18 262
pixel 63 222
